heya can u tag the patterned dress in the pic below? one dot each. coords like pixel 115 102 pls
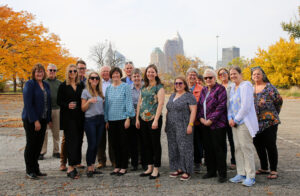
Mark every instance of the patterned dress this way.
pixel 267 105
pixel 181 155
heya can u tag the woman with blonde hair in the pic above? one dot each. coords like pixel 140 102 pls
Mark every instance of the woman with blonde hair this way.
pixel 92 100
pixel 71 117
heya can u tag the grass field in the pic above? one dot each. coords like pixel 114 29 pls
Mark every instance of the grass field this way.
pixel 292 92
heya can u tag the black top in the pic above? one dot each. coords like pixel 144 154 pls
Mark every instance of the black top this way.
pixel 65 95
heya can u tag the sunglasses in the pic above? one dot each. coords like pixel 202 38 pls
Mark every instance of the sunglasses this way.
pixel 82 68
pixel 95 78
pixel 74 71
pixel 209 77
pixel 129 62
pixel 223 73
pixel 178 83
pixel 52 70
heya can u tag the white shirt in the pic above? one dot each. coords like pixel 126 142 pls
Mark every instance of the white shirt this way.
pixel 105 84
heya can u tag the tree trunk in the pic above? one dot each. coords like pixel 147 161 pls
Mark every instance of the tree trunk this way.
pixel 15 83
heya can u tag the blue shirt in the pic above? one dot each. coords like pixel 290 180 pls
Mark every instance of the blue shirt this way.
pixel 234 103
pixel 118 103
pixel 128 80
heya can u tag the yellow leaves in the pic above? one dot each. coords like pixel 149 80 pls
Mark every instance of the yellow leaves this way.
pixel 24 43
pixel 182 64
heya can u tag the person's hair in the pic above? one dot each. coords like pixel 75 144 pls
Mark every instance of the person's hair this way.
pixel 224 69
pixel 38 67
pixel 51 65
pixel 115 69
pixel 191 69
pixel 98 87
pixel 211 71
pixel 80 62
pixel 146 80
pixel 129 63
pixel 186 88
pixel 77 80
pixel 236 68
pixel 200 77
pixel 136 71
pixel 104 66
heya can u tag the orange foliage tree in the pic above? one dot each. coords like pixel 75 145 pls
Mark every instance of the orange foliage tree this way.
pixel 24 43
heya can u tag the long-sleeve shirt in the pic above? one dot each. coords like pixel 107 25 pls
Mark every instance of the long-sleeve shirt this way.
pixel 268 105
pixel 245 112
pixel 118 103
pixel 216 109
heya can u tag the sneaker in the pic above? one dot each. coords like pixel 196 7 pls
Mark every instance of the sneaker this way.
pixel 249 182
pixel 237 179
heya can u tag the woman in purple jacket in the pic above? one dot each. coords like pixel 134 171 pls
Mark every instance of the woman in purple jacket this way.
pixel 212 112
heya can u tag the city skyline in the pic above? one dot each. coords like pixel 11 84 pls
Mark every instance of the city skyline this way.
pixel 136 27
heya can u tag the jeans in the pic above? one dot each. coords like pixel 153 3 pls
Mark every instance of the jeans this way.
pixel 94 127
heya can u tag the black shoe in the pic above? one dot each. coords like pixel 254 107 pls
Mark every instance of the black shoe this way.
pixel 56 155
pixel 40 174
pixel 134 168
pixel 41 157
pixel 144 174
pixel 114 173
pixel 97 172
pixel 222 179
pixel 121 174
pixel 32 176
pixel 90 174
pixel 154 177
pixel 73 174
pixel 206 176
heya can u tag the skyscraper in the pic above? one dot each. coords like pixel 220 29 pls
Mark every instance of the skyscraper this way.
pixel 172 48
pixel 228 54
pixel 158 58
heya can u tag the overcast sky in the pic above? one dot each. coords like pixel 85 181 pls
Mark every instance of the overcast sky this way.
pixel 135 27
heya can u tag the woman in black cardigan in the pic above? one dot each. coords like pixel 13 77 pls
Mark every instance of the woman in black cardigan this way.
pixel 71 117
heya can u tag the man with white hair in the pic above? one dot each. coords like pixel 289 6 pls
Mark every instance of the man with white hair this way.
pixel 54 84
pixel 106 81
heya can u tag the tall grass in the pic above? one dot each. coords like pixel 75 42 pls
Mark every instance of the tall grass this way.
pixel 294 91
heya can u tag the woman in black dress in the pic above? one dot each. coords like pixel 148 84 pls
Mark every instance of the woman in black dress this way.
pixel 71 117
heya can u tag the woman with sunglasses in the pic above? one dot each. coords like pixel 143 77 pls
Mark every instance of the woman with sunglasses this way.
pixel 243 121
pixel 181 114
pixel 92 100
pixel 118 110
pixel 268 102
pixel 223 75
pixel 71 117
pixel 149 119
pixel 212 112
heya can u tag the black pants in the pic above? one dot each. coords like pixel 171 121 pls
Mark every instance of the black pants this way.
pixel 151 140
pixel 34 143
pixel 231 143
pixel 198 144
pixel 119 138
pixel 74 136
pixel 101 154
pixel 133 145
pixel 265 144
pixel 215 153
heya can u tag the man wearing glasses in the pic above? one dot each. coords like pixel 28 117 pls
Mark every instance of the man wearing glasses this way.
pixel 54 84
pixel 81 67
pixel 128 70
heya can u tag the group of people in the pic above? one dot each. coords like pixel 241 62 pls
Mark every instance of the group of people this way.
pixel 200 113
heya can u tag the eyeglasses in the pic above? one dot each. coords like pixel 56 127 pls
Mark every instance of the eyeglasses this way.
pixel 209 77
pixel 129 62
pixel 52 70
pixel 81 68
pixel 222 73
pixel 74 71
pixel 178 83
pixel 95 78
